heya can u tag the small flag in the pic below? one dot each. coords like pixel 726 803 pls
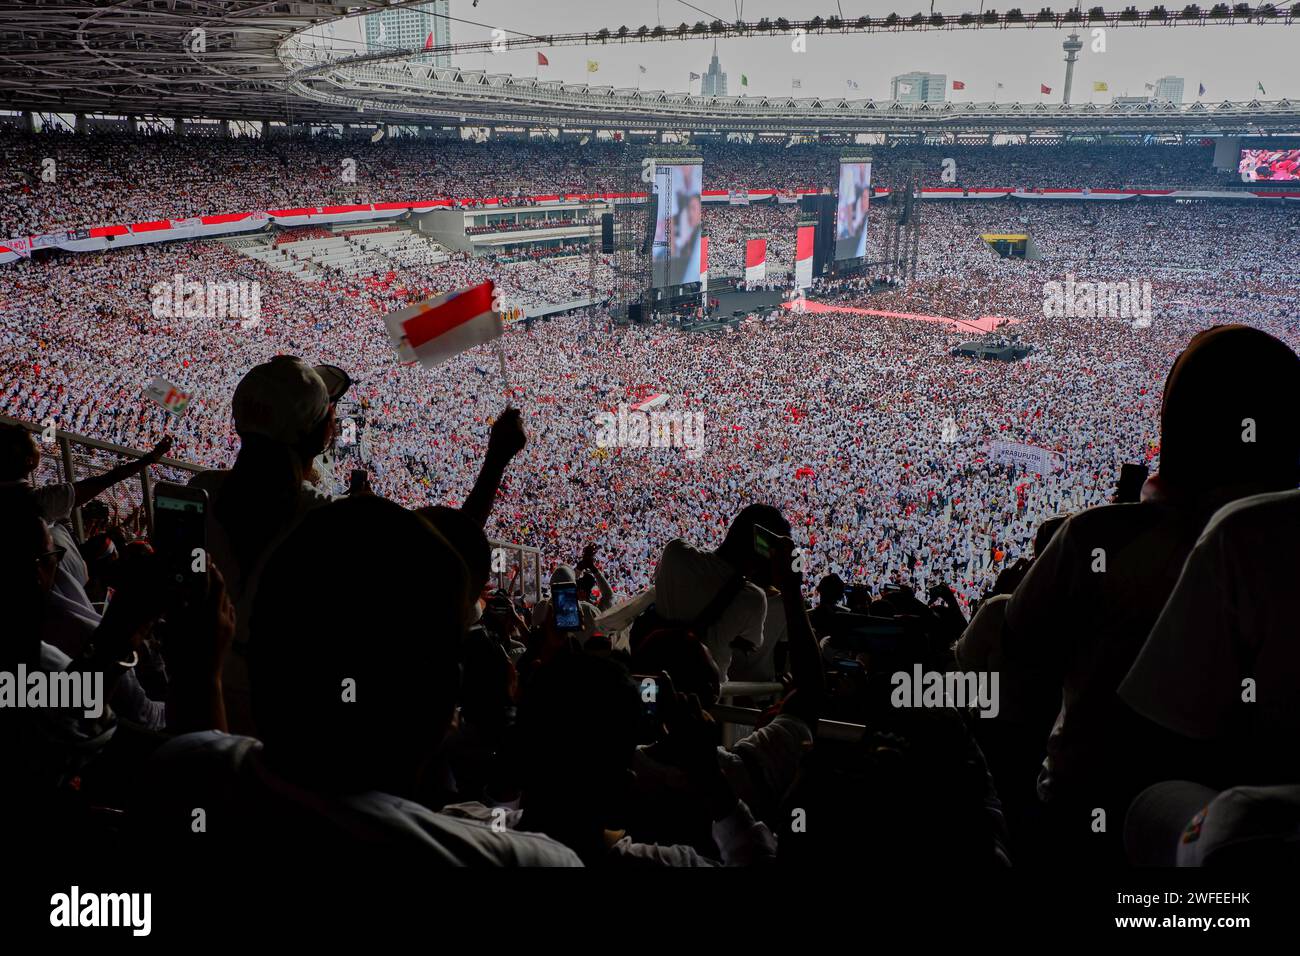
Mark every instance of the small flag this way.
pixel 428 41
pixel 1149 86
pixel 1261 87
pixel 1202 91
pixel 377 135
pixel 1044 89
pixel 853 84
pixel 541 59
pixel 593 66
pixel 168 396
pixel 999 86
pixel 798 84
pixel 694 76
pixel 640 67
pixel 437 329
pixel 744 80
pixel 1100 88
pixel 959 85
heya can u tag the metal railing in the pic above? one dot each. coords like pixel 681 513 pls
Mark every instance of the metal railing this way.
pixel 69 457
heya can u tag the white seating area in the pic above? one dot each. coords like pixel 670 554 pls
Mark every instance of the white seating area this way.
pixel 367 253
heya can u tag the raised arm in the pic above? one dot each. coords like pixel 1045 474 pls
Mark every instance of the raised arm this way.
pixel 89 488
pixel 506 440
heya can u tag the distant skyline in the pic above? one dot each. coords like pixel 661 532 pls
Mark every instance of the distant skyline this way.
pixel 1228 61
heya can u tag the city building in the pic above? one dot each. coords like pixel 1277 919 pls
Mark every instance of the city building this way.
pixel 714 82
pixel 409 27
pixel 919 88
pixel 1169 89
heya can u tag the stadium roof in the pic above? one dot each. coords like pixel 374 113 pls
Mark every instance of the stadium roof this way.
pixel 248 59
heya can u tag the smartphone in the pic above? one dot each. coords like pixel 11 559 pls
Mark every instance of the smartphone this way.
pixel 848 595
pixel 564 599
pixel 1131 479
pixel 763 540
pixel 180 523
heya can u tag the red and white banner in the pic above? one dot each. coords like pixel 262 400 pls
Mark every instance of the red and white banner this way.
pixel 803 256
pixel 651 403
pixel 755 260
pixel 440 328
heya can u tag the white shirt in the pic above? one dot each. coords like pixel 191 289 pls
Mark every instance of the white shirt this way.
pixel 1230 617
pixel 686 582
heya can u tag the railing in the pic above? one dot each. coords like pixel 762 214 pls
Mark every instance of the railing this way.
pixel 69 457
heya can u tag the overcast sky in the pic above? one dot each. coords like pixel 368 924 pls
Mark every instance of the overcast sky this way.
pixel 1228 60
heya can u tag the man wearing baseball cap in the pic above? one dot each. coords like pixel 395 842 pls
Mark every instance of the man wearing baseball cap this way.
pixel 284 414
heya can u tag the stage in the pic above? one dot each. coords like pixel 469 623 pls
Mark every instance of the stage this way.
pixel 733 300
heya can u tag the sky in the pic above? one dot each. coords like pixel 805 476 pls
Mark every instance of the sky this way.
pixel 1229 61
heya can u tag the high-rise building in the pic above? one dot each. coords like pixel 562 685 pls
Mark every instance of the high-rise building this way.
pixel 1169 89
pixel 919 88
pixel 714 82
pixel 409 28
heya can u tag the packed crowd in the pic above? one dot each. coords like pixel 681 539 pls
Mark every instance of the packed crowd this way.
pixel 106 177
pixel 512 733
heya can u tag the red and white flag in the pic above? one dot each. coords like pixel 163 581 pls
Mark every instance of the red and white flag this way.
pixel 432 331
pixel 541 59
pixel 428 41
pixel 1044 89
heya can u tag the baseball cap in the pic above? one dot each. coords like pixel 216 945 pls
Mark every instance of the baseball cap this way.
pixel 1180 823
pixel 337 381
pixel 282 399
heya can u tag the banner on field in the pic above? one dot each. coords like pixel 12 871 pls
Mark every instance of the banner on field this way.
pixel 755 260
pixel 1029 457
pixel 738 197
pixel 803 256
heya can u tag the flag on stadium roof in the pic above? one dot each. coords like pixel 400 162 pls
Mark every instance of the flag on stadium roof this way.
pixel 1044 89
pixel 541 59
pixel 959 85
pixel 744 80
pixel 593 66
pixel 1100 87
pixel 640 67
pixel 428 41
pixel 1202 91
pixel 853 84
pixel 1261 88
pixel 1149 86
pixel 694 76
pixel 437 329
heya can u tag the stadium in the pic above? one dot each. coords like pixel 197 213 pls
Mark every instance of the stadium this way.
pixel 435 453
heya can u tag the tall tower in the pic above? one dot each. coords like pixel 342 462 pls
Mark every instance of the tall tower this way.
pixel 1072 46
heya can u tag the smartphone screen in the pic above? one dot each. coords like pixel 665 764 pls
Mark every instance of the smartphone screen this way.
pixel 648 686
pixel 180 535
pixel 564 598
pixel 762 541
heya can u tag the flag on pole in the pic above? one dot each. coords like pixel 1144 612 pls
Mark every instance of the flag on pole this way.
pixel 432 331
pixel 999 86
pixel 693 77
pixel 1149 86
pixel 1100 87
pixel 1202 90
pixel 640 67
pixel 541 59
pixel 168 396
pixel 1261 88
pixel 428 41
pixel 959 85
pixel 593 66
pixel 853 84
pixel 744 80
pixel 1044 89
pixel 797 84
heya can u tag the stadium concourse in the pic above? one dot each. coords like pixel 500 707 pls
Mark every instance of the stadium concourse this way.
pixel 860 439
